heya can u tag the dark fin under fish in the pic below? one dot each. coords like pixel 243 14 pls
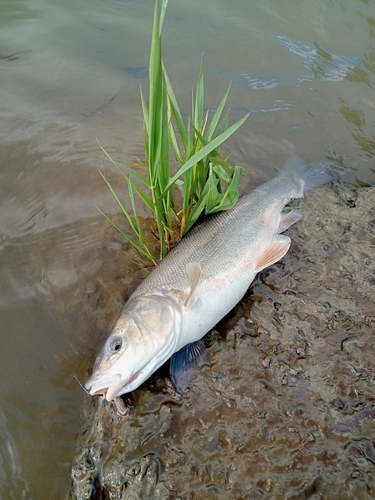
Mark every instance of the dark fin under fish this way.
pixel 315 175
pixel 183 364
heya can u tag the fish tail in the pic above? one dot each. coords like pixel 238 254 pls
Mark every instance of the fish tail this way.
pixel 313 176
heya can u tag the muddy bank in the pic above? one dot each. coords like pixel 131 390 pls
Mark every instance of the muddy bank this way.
pixel 283 407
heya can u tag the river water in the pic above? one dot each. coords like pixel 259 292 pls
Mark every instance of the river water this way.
pixel 70 74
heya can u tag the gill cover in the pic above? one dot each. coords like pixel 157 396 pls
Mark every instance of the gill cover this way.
pixel 143 338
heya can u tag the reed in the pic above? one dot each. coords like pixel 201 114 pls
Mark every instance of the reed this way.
pixel 206 181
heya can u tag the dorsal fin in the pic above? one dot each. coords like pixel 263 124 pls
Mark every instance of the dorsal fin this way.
pixel 194 272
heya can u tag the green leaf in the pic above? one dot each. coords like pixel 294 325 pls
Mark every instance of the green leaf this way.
pixel 139 248
pixel 121 205
pixel 206 150
pixel 217 115
pixel 199 99
pixel 214 197
pixel 223 125
pixel 139 231
pixel 162 15
pixel 121 167
pixel 146 200
pixel 145 112
pixel 231 195
pixel 222 173
pixel 176 113
pixel 175 146
pixel 198 209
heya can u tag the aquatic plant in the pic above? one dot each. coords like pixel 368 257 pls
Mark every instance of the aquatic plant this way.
pixel 206 181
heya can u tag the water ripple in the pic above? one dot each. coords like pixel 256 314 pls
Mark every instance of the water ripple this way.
pixel 324 65
pixel 255 83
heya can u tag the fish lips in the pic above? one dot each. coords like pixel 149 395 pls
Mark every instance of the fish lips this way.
pixel 109 387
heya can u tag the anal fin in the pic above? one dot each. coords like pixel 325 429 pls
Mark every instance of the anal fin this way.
pixel 274 252
pixel 183 364
pixel 287 219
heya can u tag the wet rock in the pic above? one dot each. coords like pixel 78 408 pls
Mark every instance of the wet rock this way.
pixel 283 407
pixel 367 448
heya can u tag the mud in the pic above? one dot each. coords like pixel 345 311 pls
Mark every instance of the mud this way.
pixel 282 407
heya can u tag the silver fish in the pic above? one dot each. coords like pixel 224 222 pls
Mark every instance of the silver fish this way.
pixel 199 282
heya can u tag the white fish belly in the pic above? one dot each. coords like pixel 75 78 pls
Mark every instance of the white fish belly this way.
pixel 212 305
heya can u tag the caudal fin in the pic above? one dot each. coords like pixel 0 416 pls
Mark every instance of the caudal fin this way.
pixel 314 176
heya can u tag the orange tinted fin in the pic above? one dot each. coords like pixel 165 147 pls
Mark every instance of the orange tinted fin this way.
pixel 194 272
pixel 287 219
pixel 274 252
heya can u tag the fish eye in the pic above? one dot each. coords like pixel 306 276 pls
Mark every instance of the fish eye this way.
pixel 115 344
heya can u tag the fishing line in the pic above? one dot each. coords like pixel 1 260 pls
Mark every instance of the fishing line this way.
pixel 83 387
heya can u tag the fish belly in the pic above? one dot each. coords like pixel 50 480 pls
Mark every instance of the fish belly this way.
pixel 212 305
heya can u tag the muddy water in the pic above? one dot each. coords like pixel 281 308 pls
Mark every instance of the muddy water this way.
pixel 70 72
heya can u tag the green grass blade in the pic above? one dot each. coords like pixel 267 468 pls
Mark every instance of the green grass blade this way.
pixel 121 205
pixel 187 191
pixel 155 94
pixel 223 125
pixel 217 115
pixel 162 15
pixel 198 209
pixel 144 111
pixel 222 173
pixel 175 145
pixel 122 167
pixel 231 195
pixel 213 198
pixel 176 111
pixel 139 231
pixel 146 200
pixel 215 143
pixel 217 160
pixel 139 248
pixel 199 100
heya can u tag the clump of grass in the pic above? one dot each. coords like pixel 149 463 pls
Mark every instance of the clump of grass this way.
pixel 208 183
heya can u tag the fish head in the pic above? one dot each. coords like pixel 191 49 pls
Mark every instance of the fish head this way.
pixel 143 338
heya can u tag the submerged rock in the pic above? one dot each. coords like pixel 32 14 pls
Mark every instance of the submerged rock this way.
pixel 283 406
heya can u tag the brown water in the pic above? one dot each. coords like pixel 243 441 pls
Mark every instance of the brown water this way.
pixel 70 73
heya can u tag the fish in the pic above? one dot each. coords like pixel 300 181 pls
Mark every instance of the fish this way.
pixel 200 281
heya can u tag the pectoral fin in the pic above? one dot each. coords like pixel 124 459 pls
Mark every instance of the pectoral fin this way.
pixel 194 272
pixel 274 252
pixel 183 364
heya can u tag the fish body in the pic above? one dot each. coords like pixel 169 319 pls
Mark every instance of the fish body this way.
pixel 200 281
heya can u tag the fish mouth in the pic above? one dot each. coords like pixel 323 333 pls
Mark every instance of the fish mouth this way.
pixel 111 387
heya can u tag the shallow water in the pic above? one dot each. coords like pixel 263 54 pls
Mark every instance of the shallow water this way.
pixel 70 73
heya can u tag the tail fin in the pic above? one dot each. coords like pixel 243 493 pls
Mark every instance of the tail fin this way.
pixel 314 176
